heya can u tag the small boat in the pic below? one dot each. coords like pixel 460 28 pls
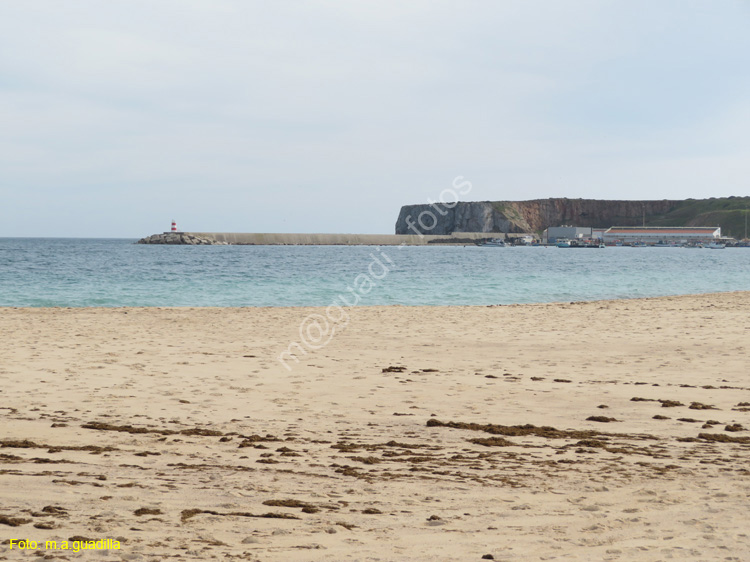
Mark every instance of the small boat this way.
pixel 497 242
pixel 587 244
pixel 716 246
pixel 580 244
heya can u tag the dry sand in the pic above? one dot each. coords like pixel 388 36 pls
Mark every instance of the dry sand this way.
pixel 175 431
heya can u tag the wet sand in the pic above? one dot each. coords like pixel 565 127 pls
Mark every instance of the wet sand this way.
pixel 609 430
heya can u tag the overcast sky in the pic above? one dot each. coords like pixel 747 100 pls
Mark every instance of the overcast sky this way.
pixel 323 116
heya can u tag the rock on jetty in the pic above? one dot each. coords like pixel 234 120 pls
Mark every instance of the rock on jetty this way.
pixel 183 238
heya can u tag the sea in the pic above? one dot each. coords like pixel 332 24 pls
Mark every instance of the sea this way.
pixel 60 272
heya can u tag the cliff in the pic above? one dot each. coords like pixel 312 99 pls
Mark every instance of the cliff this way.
pixel 538 214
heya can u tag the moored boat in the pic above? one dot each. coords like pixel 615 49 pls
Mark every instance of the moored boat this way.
pixel 496 242
pixel 581 243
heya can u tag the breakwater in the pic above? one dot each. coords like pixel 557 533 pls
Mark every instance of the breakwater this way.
pixel 275 239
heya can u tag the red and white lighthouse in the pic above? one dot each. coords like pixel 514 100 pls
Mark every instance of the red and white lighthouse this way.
pixel 174 226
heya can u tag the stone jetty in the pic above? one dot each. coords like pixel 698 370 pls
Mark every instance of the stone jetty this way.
pixel 234 238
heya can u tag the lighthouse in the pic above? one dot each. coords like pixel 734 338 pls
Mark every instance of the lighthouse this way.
pixel 174 226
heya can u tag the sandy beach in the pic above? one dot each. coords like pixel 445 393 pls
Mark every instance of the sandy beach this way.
pixel 610 430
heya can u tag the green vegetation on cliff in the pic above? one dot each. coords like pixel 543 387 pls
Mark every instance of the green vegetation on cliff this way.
pixel 726 212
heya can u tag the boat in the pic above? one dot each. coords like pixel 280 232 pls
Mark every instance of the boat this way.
pixel 716 246
pixel 497 242
pixel 587 244
pixel 580 244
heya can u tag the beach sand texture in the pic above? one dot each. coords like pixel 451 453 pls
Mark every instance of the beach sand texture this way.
pixel 586 431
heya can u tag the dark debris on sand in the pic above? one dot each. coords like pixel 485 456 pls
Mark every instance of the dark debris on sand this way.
pixel 187 514
pixel 601 419
pixel 13 521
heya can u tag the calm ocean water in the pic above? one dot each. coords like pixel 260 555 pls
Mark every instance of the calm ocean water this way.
pixel 105 272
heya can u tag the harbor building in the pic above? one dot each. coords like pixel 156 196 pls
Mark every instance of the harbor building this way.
pixel 555 233
pixel 665 234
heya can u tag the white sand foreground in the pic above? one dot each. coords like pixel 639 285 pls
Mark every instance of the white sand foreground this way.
pixel 178 433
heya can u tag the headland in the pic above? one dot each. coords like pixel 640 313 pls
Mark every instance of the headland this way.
pixel 534 216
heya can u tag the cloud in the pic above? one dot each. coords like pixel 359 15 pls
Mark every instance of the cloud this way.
pixel 328 116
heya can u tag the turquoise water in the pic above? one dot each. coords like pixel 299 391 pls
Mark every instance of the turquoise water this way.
pixel 102 272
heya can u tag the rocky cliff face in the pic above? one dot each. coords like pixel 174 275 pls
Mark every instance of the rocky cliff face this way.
pixel 527 216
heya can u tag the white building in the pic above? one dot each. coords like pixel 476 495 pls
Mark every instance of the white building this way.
pixel 667 234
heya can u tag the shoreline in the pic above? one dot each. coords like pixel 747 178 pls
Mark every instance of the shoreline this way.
pixel 592 430
pixel 323 307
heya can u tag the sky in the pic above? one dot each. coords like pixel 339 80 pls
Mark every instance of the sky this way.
pixel 319 116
